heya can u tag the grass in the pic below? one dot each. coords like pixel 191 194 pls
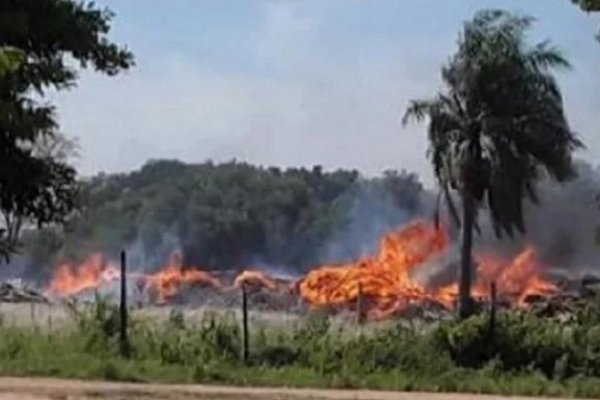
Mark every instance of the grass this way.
pixel 528 355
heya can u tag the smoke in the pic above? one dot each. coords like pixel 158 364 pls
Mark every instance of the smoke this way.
pixel 373 212
pixel 143 258
pixel 562 226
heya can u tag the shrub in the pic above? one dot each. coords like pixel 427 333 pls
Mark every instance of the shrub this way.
pixel 519 342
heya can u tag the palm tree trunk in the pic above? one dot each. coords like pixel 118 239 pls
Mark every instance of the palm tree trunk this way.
pixel 465 302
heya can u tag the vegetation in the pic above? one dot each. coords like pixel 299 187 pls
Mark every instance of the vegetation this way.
pixel 496 128
pixel 228 215
pixel 10 59
pixel 42 43
pixel 589 6
pixel 526 355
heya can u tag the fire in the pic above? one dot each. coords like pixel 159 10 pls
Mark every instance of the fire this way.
pixel 516 280
pixel 254 278
pixel 384 278
pixel 385 281
pixel 169 280
pixel 70 279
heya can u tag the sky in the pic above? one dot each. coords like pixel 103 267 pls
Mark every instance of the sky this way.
pixel 296 82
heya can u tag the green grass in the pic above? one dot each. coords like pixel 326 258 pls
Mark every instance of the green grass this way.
pixel 528 355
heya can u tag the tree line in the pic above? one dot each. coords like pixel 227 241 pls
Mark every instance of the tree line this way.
pixel 495 130
pixel 228 215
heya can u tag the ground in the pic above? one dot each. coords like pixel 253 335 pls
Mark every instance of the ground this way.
pixel 56 389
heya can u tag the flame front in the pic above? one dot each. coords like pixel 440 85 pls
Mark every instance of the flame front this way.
pixel 516 280
pixel 168 281
pixel 384 280
pixel 70 279
pixel 254 278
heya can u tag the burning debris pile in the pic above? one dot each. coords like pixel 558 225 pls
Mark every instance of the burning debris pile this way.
pixel 17 293
pixel 385 284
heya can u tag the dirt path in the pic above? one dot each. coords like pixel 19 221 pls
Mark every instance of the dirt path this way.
pixel 56 389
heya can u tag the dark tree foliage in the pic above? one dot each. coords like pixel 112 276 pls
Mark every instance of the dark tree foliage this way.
pixel 53 39
pixel 221 216
pixel 497 127
pixel 589 6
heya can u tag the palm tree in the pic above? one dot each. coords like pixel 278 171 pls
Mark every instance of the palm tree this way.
pixel 495 128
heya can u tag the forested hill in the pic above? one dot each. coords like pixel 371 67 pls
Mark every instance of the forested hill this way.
pixel 232 215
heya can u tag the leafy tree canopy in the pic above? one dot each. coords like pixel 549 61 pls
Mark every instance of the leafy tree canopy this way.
pixel 589 6
pixel 44 43
pixel 230 215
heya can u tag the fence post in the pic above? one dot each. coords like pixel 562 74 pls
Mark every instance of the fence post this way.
pixel 32 312
pixel 49 317
pixel 124 342
pixel 493 306
pixel 244 324
pixel 359 306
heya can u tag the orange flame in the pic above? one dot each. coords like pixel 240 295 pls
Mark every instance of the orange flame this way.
pixel 70 279
pixel 254 278
pixel 384 278
pixel 516 280
pixel 167 282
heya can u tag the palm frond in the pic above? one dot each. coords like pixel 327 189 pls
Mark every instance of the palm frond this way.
pixel 418 110
pixel 544 56
pixel 499 124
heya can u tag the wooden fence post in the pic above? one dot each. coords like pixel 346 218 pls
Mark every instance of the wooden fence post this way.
pixel 32 312
pixel 359 306
pixel 124 342
pixel 493 307
pixel 244 324
pixel 49 317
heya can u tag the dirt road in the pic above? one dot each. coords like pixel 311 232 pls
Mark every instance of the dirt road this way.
pixel 56 389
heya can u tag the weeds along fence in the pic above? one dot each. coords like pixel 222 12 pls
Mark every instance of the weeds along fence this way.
pixel 214 343
pixel 249 324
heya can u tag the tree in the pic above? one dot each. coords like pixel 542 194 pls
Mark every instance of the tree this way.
pixel 589 6
pixel 10 59
pixel 497 126
pixel 43 43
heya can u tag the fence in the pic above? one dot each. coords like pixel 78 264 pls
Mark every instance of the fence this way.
pixel 249 309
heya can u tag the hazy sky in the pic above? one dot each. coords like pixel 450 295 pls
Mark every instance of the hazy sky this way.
pixel 296 82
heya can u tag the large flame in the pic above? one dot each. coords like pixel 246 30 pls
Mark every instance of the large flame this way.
pixel 168 281
pixel 384 281
pixel 517 279
pixel 254 278
pixel 70 279
pixel 384 278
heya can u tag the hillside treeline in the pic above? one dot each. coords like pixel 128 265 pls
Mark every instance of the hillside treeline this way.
pixel 230 215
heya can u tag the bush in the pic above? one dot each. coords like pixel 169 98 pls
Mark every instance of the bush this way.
pixel 520 342
pixel 526 355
